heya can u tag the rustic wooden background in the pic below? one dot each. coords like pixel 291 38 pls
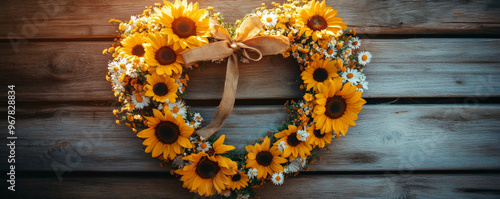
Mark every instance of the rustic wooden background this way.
pixel 439 59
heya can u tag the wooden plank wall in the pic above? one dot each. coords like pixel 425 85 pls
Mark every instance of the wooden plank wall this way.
pixel 440 59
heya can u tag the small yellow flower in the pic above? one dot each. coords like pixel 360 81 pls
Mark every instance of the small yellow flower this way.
pixel 308 97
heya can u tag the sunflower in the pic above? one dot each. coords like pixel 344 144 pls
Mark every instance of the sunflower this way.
pixel 264 158
pixel 239 181
pixel 315 17
pixel 161 88
pixel 133 47
pixel 320 71
pixel 162 54
pixel 166 135
pixel 337 107
pixel 209 173
pixel 293 145
pixel 187 25
pixel 319 139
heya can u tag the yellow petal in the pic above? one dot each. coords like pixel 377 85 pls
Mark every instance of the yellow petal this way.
pixel 158 149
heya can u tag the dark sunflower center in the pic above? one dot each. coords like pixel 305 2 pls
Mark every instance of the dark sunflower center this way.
pixel 165 56
pixel 320 74
pixel 317 22
pixel 292 140
pixel 184 27
pixel 138 50
pixel 206 168
pixel 160 89
pixel 167 132
pixel 264 158
pixel 318 134
pixel 236 178
pixel 335 107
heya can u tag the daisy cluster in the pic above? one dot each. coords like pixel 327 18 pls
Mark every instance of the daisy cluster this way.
pixel 316 34
pixel 149 77
pixel 147 71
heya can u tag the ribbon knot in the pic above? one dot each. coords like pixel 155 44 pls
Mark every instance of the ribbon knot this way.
pixel 234 46
pixel 247 42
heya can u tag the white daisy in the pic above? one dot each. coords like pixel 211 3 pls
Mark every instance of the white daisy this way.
pixel 330 53
pixel 291 168
pixel 270 20
pixel 347 53
pixel 363 85
pixel 278 178
pixel 144 20
pixel 180 88
pixel 303 161
pixel 116 68
pixel 133 23
pixel 285 169
pixel 252 173
pixel 141 104
pixel 179 162
pixel 364 58
pixel 204 146
pixel 321 50
pixel 355 43
pixel 303 134
pixel 160 107
pixel 332 44
pixel 178 108
pixel 118 86
pixel 351 75
pixel 131 71
pixel 294 166
pixel 282 146
pixel 137 117
pixel 198 118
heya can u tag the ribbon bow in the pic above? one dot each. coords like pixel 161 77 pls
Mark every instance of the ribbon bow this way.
pixel 248 42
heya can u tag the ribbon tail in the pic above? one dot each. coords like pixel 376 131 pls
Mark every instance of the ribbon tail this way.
pixel 227 103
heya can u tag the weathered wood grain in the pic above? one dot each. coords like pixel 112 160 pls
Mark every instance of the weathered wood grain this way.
pixel 74 71
pixel 89 19
pixel 61 66
pixel 302 186
pixel 387 137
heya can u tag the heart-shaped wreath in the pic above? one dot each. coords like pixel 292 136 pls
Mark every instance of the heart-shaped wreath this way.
pixel 156 49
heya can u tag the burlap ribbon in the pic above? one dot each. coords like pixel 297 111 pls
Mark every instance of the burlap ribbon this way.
pixel 248 42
